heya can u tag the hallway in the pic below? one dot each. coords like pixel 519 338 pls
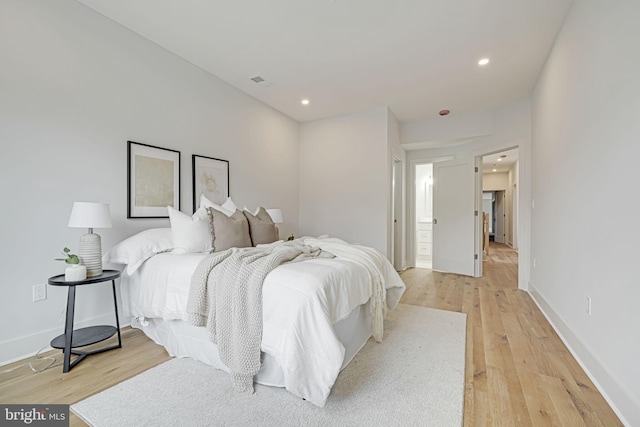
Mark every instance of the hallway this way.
pixel 518 371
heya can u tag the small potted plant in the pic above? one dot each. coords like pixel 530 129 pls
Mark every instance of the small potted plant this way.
pixel 74 271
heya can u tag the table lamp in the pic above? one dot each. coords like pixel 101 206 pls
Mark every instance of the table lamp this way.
pixel 90 215
pixel 276 217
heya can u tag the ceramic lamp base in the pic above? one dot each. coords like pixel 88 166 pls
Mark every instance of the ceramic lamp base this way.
pixel 90 253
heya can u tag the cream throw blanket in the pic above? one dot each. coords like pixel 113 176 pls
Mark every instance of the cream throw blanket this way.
pixel 373 261
pixel 226 297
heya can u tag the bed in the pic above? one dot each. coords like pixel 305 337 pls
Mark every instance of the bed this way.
pixel 316 314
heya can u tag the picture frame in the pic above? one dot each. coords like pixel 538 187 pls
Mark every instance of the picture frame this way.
pixel 211 178
pixel 153 180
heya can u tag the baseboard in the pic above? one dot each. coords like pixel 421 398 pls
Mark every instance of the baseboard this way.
pixel 627 409
pixel 27 346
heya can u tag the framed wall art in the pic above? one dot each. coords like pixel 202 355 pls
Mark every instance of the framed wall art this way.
pixel 211 178
pixel 153 180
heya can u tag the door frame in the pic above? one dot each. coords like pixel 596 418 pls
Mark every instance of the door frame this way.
pixel 523 220
pixel 397 222
pixel 501 221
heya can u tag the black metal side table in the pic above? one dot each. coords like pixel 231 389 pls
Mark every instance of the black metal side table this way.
pixel 71 339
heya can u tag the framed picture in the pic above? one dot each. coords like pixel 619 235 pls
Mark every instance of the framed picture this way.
pixel 153 180
pixel 211 178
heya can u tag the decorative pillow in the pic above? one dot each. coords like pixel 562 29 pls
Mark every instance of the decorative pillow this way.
pixel 261 227
pixel 190 233
pixel 228 207
pixel 135 250
pixel 228 231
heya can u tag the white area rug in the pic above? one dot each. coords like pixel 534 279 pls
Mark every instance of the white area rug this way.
pixel 414 378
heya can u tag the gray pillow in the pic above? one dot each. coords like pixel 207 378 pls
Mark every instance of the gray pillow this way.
pixel 261 227
pixel 228 231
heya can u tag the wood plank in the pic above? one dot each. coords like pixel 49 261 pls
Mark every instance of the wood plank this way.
pixel 539 404
pixel 563 404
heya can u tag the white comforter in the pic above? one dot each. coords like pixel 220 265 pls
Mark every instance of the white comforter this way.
pixel 301 302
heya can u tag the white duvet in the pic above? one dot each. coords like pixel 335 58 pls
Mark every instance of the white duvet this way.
pixel 301 303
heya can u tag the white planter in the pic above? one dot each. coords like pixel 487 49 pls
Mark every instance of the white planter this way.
pixel 75 273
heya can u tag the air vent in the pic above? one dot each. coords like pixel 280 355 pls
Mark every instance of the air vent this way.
pixel 260 81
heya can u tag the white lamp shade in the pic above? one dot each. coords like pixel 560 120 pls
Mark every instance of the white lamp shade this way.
pixel 276 215
pixel 90 215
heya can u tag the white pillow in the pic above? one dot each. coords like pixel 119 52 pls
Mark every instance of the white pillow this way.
pixel 136 249
pixel 254 213
pixel 227 208
pixel 190 233
pixel 229 205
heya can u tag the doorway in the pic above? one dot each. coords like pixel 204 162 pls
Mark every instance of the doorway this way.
pixel 493 204
pixel 446 241
pixel 424 215
pixel 499 200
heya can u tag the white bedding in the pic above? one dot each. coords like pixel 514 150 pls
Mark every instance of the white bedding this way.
pixel 301 303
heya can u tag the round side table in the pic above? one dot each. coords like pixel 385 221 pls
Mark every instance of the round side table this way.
pixel 71 339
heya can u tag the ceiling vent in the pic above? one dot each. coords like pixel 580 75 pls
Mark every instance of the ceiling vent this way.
pixel 260 81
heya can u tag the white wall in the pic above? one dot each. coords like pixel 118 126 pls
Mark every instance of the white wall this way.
pixel 585 157
pixel 426 134
pixel 345 178
pixel 495 181
pixel 74 88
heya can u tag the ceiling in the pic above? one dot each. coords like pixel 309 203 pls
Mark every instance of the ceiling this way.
pixel 415 56
pixel 499 162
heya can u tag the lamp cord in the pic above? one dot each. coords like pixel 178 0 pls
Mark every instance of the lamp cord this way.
pixel 34 358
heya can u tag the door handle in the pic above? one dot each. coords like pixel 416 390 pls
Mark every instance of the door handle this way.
pixel 435 221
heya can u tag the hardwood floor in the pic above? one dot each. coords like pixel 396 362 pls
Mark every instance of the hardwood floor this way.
pixel 518 372
pixel 94 374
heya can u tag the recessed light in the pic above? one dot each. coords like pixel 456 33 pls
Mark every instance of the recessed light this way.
pixel 499 160
pixel 494 170
pixel 444 112
pixel 483 61
pixel 305 102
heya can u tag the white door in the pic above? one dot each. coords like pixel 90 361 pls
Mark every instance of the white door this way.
pixel 453 213
pixel 499 233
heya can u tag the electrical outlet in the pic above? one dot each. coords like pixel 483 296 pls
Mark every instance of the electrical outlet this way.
pixel 39 292
pixel 589 306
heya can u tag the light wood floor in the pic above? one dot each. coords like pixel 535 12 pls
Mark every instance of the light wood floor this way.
pixel 94 374
pixel 518 372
